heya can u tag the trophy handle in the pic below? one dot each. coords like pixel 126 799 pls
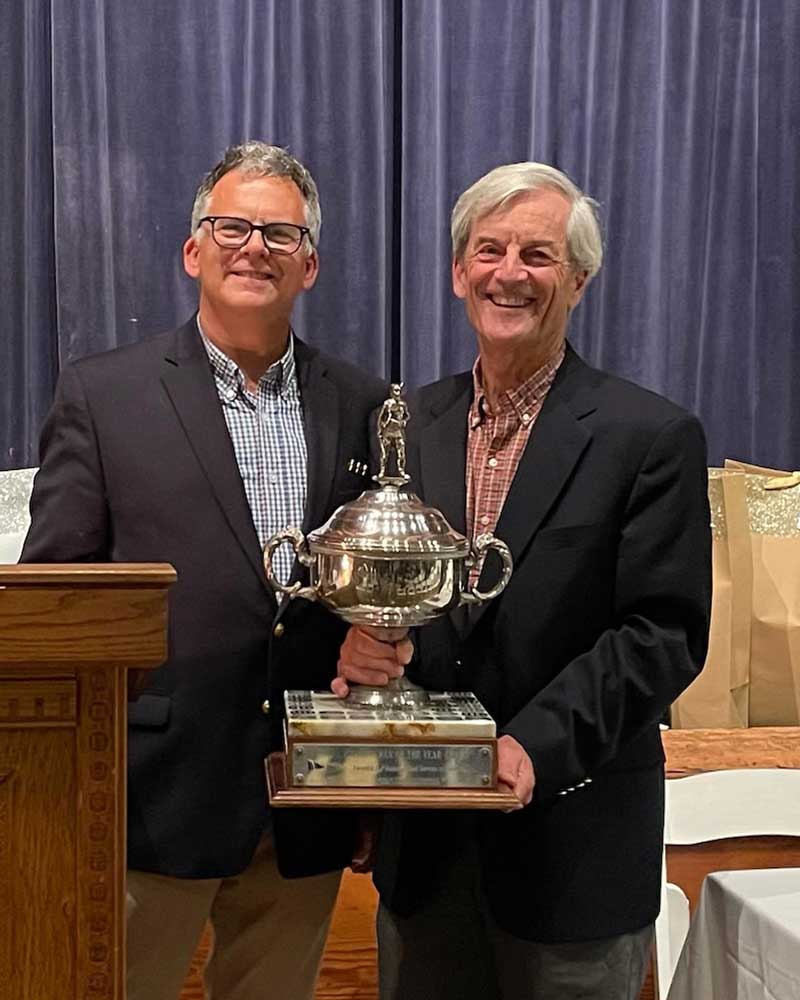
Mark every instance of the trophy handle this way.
pixel 481 545
pixel 296 538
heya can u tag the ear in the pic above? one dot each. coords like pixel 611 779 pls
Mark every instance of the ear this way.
pixel 191 252
pixel 311 270
pixel 459 279
pixel 580 280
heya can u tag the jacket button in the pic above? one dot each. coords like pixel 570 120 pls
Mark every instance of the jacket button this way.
pixel 265 706
pixel 278 630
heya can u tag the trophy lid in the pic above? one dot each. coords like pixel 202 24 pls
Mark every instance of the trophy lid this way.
pixel 388 522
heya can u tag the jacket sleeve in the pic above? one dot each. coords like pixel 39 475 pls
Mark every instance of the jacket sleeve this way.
pixel 69 514
pixel 656 643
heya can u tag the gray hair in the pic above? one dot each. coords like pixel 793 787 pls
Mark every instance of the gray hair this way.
pixel 258 159
pixel 584 242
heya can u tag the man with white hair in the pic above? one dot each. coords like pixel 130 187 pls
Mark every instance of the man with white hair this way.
pixel 193 448
pixel 599 489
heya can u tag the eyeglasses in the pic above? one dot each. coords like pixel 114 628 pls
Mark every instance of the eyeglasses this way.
pixel 278 237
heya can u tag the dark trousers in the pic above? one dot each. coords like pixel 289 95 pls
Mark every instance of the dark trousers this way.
pixel 452 949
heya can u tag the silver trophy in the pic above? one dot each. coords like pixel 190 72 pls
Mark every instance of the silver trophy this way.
pixel 388 560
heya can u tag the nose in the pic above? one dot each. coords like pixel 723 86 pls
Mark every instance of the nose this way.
pixel 512 267
pixel 256 243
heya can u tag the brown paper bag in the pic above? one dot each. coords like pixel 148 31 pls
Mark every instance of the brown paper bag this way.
pixel 773 505
pixel 718 698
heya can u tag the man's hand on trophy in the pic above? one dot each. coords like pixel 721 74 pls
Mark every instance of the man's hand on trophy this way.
pixel 515 769
pixel 371 656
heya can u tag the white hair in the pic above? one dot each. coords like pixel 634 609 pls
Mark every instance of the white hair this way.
pixel 584 242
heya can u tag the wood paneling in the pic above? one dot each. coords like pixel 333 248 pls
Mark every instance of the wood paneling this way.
pixel 100 860
pixel 37 863
pixel 67 635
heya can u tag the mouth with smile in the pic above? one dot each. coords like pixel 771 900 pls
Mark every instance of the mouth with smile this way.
pixel 251 275
pixel 510 301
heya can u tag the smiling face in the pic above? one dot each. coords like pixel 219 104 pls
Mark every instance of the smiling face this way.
pixel 515 279
pixel 251 279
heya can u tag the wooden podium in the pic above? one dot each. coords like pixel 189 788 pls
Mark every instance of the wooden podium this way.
pixel 68 634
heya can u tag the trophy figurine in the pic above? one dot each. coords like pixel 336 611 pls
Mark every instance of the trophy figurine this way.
pixel 388 561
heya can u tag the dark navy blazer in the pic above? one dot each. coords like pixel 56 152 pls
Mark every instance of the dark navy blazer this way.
pixel 603 624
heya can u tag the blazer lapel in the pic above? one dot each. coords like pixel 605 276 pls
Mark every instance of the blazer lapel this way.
pixel 321 421
pixel 189 383
pixel 443 461
pixel 320 400
pixel 557 441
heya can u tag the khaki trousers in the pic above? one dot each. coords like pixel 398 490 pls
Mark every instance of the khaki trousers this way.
pixel 269 932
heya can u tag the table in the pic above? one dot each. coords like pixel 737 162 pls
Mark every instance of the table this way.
pixel 744 940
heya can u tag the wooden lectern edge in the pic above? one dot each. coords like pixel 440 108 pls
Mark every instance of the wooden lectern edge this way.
pixel 88 574
pixel 283 796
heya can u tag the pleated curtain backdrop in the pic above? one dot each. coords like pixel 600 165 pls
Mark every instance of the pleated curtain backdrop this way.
pixel 682 117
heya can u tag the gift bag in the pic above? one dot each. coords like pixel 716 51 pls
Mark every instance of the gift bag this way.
pixel 773 506
pixel 718 697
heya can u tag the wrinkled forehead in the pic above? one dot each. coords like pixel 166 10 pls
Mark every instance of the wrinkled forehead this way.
pixel 532 216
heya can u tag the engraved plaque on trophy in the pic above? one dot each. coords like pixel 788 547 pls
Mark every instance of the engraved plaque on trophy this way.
pixel 386 560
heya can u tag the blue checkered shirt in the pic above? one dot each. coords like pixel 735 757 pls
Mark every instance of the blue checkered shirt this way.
pixel 266 428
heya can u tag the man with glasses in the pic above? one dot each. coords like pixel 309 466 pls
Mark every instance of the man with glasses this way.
pixel 599 489
pixel 193 448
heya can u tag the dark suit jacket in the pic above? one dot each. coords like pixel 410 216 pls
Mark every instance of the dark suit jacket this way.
pixel 137 466
pixel 604 622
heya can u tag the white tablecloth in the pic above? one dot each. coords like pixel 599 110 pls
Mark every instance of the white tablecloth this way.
pixel 744 940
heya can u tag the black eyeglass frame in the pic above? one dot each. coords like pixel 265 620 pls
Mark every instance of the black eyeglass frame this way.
pixel 213 219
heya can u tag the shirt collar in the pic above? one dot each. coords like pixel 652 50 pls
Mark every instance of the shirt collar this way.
pixel 281 376
pixel 523 398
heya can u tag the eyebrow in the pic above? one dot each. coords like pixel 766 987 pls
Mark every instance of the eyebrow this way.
pixel 528 243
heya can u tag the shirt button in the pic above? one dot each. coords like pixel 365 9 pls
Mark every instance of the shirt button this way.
pixel 265 707
pixel 485 519
pixel 278 630
pixel 526 418
pixel 492 463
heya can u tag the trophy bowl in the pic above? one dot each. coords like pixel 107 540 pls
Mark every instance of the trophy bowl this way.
pixel 388 560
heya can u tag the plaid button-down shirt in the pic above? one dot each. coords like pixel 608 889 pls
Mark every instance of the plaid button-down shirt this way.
pixel 266 428
pixel 495 443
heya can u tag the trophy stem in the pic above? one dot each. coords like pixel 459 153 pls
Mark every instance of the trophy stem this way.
pixel 398 693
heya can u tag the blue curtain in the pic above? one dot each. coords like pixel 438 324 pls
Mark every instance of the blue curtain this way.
pixel 682 117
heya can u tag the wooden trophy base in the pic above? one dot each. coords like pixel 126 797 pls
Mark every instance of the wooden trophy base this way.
pixel 282 795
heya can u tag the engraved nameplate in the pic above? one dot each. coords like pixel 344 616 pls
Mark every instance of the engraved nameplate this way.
pixel 404 765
